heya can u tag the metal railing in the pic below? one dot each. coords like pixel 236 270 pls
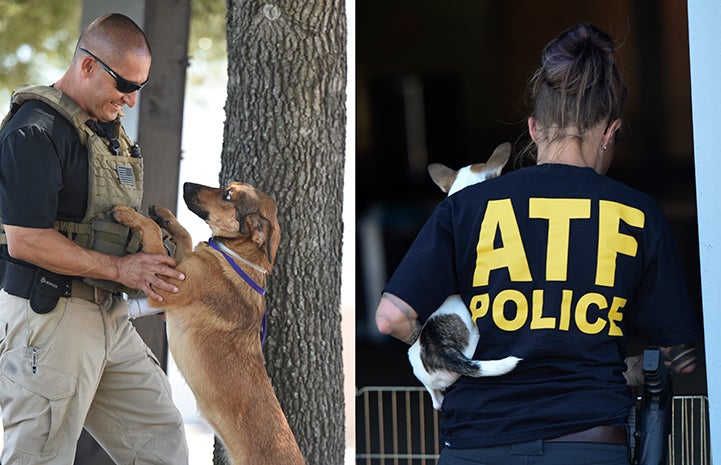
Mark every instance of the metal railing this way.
pixel 398 426
pixel 690 442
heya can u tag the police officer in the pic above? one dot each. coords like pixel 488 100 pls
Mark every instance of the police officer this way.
pixel 69 358
pixel 555 261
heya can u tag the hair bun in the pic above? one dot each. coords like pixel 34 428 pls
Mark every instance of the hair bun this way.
pixel 579 82
pixel 574 62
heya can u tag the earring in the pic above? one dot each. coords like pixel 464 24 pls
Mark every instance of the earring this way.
pixel 605 147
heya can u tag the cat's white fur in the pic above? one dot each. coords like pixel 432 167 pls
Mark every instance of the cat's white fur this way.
pixel 438 381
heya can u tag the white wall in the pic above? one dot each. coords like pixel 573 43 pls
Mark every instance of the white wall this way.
pixel 704 17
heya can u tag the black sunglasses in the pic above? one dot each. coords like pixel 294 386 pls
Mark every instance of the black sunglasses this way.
pixel 122 84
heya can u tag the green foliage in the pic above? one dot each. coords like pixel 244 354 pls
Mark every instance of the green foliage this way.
pixel 37 39
pixel 207 42
pixel 208 23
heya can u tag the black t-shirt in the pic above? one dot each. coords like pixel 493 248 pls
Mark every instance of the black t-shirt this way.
pixel 553 262
pixel 43 169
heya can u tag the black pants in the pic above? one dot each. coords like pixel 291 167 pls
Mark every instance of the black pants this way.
pixel 538 453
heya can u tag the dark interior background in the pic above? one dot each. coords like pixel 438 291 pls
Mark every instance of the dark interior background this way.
pixel 446 82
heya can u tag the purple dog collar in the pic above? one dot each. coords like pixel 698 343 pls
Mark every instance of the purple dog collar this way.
pixel 248 280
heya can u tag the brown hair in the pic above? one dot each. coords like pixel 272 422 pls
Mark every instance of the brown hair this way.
pixel 579 83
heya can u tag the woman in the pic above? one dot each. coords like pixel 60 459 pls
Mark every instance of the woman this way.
pixel 554 262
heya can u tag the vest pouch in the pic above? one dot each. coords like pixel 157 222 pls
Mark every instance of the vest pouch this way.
pixel 47 289
pixel 112 179
pixel 110 237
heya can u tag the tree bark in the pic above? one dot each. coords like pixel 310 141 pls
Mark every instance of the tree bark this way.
pixel 285 134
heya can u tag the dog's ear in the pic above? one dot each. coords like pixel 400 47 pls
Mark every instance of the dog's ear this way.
pixel 261 232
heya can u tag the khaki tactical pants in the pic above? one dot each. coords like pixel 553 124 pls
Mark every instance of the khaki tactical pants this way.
pixel 82 365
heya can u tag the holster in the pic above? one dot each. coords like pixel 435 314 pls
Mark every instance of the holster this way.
pixel 41 287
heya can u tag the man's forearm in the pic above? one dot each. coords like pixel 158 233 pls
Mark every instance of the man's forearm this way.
pixel 680 359
pixel 49 249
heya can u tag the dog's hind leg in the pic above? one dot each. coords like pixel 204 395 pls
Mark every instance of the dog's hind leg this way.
pixel 166 220
pixel 149 232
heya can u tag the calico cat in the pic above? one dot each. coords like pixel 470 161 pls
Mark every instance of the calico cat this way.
pixel 448 339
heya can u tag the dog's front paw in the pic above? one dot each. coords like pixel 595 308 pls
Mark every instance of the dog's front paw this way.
pixel 161 215
pixel 123 214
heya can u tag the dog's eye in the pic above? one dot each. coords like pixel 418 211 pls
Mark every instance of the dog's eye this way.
pixel 227 196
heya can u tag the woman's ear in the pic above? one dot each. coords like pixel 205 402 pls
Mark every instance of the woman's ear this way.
pixel 609 134
pixel 532 128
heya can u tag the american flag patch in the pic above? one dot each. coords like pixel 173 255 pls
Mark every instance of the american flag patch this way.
pixel 125 174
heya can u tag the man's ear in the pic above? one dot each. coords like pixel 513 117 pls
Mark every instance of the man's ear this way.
pixel 86 66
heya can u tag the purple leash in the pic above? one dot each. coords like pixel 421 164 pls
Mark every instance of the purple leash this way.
pixel 248 280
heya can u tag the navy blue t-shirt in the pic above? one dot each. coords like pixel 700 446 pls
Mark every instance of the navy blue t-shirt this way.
pixel 554 262
pixel 43 169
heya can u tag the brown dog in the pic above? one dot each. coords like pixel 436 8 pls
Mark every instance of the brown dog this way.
pixel 214 321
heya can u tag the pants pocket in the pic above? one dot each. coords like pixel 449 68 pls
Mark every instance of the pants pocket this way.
pixel 3 335
pixel 35 400
pixel 160 372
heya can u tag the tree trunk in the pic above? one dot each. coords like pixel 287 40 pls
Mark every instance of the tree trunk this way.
pixel 285 134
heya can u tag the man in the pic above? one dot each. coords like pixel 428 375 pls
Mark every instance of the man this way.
pixel 69 358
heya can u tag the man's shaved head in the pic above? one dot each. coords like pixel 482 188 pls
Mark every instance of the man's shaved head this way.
pixel 113 36
pixel 113 65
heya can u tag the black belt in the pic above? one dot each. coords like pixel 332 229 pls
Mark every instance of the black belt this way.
pixel 598 434
pixel 43 287
pixel 18 279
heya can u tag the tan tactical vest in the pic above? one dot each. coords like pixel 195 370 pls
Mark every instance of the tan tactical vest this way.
pixel 112 179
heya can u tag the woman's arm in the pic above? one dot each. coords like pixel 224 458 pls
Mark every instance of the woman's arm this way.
pixel 398 319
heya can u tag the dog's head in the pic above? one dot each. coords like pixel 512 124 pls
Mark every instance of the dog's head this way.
pixel 237 211
pixel 452 181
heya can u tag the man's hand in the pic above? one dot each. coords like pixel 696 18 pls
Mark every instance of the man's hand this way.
pixel 634 370
pixel 144 271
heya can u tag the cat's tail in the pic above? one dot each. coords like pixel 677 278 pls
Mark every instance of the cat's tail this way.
pixel 455 361
pixel 493 367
